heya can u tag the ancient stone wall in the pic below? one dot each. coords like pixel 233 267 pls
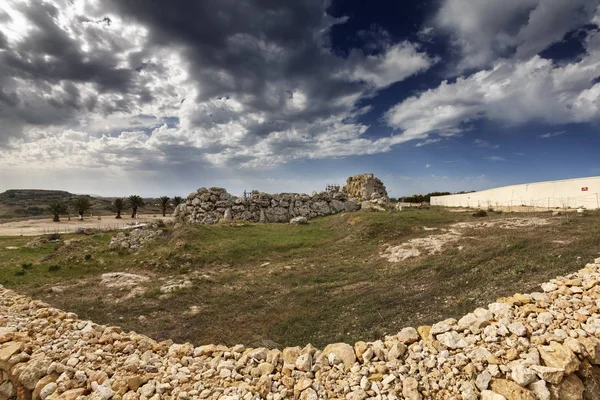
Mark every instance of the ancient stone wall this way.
pixel 543 345
pixel 209 206
pixel 365 187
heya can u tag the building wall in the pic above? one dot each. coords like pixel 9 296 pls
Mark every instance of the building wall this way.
pixel 552 194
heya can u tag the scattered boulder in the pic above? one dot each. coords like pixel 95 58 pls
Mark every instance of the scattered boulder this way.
pixel 135 240
pixel 299 220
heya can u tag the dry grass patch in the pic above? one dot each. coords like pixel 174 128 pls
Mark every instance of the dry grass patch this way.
pixel 280 284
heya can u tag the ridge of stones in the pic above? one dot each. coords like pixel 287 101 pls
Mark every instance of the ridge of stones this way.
pixel 543 345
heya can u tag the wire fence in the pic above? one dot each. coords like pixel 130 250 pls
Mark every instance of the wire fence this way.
pixel 79 226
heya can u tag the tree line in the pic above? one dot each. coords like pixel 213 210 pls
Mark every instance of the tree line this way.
pixel 425 198
pixel 82 205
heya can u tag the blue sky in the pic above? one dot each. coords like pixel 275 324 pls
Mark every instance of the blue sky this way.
pixel 112 97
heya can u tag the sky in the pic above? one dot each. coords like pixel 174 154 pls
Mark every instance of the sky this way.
pixel 115 97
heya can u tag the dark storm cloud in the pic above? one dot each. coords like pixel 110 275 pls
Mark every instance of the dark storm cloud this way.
pixel 50 58
pixel 49 53
pixel 257 51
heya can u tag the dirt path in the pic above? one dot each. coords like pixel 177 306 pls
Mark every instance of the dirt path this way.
pixel 34 227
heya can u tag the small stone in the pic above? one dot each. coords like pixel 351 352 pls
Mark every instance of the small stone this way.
pixel 549 374
pixel 266 368
pixel 452 340
pixel 540 390
pixel 309 394
pixel 343 351
pixel 545 318
pixel 410 388
pixel 549 287
pixel 489 395
pixel 304 362
pixel 571 388
pixel 48 390
pixel 408 335
pixel 442 327
pixel 511 390
pixel 303 384
pixel 517 328
pixel 483 380
pixel 522 375
pixel 559 356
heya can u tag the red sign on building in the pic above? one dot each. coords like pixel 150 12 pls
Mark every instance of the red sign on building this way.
pixel 584 189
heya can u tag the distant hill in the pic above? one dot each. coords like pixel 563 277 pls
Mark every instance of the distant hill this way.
pixel 33 203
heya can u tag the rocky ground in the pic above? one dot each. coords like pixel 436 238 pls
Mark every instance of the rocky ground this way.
pixel 543 345
pixel 436 242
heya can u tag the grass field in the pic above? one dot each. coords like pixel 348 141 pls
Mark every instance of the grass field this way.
pixel 281 284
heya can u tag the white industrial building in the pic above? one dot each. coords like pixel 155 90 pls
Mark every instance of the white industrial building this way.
pixel 567 193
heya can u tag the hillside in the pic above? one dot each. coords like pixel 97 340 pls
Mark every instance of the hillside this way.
pixel 33 203
pixel 345 277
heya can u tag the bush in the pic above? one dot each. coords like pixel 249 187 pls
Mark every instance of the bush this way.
pixel 20 272
pixel 480 213
pixel 87 257
pixel 54 236
pixel 26 265
pixel 53 268
pixel 490 209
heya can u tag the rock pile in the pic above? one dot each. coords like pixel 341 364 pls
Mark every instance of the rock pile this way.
pixel 209 206
pixel 365 187
pixel 133 240
pixel 544 345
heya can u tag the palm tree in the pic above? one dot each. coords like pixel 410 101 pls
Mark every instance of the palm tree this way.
pixel 56 209
pixel 82 204
pixel 135 201
pixel 118 205
pixel 164 203
pixel 177 200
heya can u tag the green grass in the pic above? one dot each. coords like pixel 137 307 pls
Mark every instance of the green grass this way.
pixel 324 282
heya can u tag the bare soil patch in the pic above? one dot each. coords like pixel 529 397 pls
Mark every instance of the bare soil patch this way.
pixel 34 227
pixel 436 243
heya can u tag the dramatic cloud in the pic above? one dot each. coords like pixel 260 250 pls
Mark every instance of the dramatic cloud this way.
pixel 511 92
pixel 248 84
pixel 484 30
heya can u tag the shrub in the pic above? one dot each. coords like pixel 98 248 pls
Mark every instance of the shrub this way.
pixel 480 213
pixel 87 257
pixel 54 236
pixel 490 209
pixel 53 268
pixel 26 265
pixel 20 272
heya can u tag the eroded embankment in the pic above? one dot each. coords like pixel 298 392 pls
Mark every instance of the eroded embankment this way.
pixel 538 346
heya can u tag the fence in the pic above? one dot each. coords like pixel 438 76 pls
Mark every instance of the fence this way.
pixel 66 227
